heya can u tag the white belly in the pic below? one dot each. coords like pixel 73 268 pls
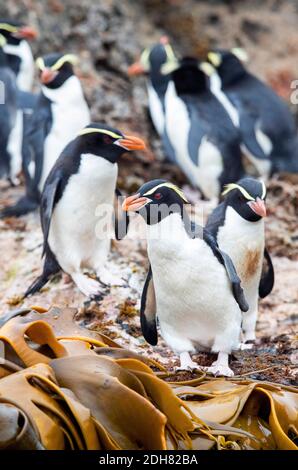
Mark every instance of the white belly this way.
pixel 68 120
pixel 244 242
pixel 15 146
pixel 26 73
pixel 75 236
pixel 186 277
pixel 209 165
pixel 156 110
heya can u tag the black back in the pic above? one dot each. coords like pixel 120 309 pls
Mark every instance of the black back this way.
pixel 208 119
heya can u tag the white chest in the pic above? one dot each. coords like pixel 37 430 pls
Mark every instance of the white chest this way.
pixel 156 109
pixel 205 172
pixel 244 243
pixel 70 114
pixel 186 275
pixel 26 72
pixel 87 201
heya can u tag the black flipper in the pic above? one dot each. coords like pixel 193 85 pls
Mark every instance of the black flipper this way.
pixel 228 264
pixel 47 204
pixel 248 120
pixel 267 279
pixel 50 268
pixel 148 311
pixel 121 218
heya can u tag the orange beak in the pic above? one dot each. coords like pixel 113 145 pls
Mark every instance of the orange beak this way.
pixel 47 75
pixel 129 142
pixel 258 207
pixel 135 69
pixel 134 203
pixel 164 40
pixel 27 33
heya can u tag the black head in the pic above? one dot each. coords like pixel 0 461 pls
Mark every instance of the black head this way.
pixel 55 69
pixel 188 76
pixel 228 63
pixel 107 142
pixel 156 200
pixel 15 32
pixel 247 198
pixel 151 61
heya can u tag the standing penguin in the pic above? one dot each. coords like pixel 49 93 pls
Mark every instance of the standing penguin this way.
pixel 267 127
pixel 8 106
pixel 238 225
pixel 79 189
pixel 150 63
pixel 61 111
pixel 20 60
pixel 205 141
pixel 184 274
pixel 18 51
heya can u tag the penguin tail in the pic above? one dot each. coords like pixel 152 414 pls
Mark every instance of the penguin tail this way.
pixel 23 206
pixel 50 268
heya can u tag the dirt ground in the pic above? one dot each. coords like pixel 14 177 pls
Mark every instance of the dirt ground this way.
pixel 274 356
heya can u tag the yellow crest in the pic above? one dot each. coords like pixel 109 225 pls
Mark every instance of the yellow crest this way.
pixel 91 130
pixel 71 58
pixel 231 186
pixel 8 27
pixel 168 185
pixel 2 40
pixel 215 58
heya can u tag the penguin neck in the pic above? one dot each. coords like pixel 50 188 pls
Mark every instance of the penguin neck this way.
pixel 69 91
pixel 167 233
pixel 239 223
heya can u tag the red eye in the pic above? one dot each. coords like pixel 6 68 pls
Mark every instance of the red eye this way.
pixel 107 139
pixel 158 196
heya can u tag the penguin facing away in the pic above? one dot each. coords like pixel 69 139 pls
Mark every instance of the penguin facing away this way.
pixel 60 113
pixel 18 51
pixel 205 141
pixel 8 106
pixel 238 226
pixel 78 191
pixel 268 131
pixel 150 63
pixel 184 274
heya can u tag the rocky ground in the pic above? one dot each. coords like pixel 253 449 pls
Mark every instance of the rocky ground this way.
pixel 108 36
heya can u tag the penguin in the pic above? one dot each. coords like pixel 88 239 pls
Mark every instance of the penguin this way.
pixel 76 207
pixel 205 141
pixel 8 100
pixel 20 60
pixel 268 131
pixel 238 226
pixel 150 63
pixel 60 112
pixel 192 287
pixel 19 54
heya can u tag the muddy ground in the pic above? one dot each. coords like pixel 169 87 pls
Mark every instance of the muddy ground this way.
pixel 108 36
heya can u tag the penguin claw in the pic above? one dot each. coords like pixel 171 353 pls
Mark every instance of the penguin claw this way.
pixel 88 286
pixel 108 279
pixel 191 367
pixel 219 370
